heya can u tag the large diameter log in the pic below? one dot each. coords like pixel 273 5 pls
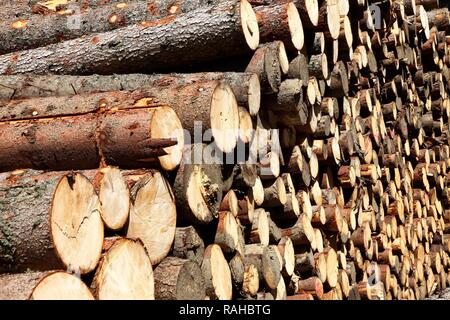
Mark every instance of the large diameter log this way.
pixel 125 273
pixel 153 215
pixel 302 232
pixel 61 286
pixel 47 285
pixel 217 274
pixel 226 29
pixel 52 134
pixel 42 30
pixel 198 186
pixel 245 86
pixel 47 220
pixel 179 279
pixel 194 99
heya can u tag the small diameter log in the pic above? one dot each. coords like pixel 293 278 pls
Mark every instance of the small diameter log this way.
pixel 299 167
pixel 197 186
pixel 280 22
pixel 268 261
pixel 153 215
pixel 230 203
pixel 288 106
pixel 250 284
pixel 237 269
pixel 107 52
pixel 302 232
pixel 179 279
pixel 298 68
pixel 312 286
pixel 275 194
pixel 268 62
pixel 227 233
pixel 318 66
pixel 217 274
pixel 115 198
pixel 329 21
pixel 188 244
pixel 286 249
pixel 259 231
pixel 125 273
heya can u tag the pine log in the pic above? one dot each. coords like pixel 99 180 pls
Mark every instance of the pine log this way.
pixel 280 22
pixel 75 21
pixel 94 130
pixel 188 244
pixel 245 86
pixel 178 279
pixel 58 286
pixel 153 215
pixel 226 29
pixel 268 62
pixel 41 218
pixel 197 186
pixel 125 273
pixel 217 274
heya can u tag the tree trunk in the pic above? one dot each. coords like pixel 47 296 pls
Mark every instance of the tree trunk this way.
pixel 48 133
pixel 245 86
pixel 178 40
pixel 76 21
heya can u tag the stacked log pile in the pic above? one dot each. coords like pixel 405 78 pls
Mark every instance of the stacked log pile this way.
pixel 306 154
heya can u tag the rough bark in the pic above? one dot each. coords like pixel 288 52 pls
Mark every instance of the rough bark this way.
pixel 75 21
pixel 175 41
pixel 179 279
pixel 244 86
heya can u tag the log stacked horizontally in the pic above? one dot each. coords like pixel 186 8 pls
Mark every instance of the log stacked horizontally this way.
pixel 292 150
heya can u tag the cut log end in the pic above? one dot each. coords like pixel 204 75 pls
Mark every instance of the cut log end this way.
pixel 254 94
pixel 153 215
pixel 76 224
pixel 312 8
pixel 125 273
pixel 166 124
pixel 249 24
pixel 114 197
pixel 224 118
pixel 295 26
pixel 283 58
pixel 217 274
pixel 61 286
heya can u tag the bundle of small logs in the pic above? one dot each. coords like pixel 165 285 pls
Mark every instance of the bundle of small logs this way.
pixel 224 149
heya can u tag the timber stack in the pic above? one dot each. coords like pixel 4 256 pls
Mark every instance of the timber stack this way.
pixel 266 149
